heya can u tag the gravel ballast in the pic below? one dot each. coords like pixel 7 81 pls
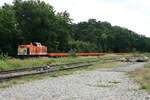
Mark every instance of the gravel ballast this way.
pixel 90 85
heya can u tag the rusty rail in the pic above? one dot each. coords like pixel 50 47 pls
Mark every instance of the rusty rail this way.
pixel 4 75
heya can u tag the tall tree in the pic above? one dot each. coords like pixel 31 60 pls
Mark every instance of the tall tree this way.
pixel 63 25
pixel 35 19
pixel 8 31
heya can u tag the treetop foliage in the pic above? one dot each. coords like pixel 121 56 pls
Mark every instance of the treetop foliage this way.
pixel 36 21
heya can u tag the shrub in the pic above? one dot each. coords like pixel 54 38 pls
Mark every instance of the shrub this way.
pixel 72 53
pixel 3 56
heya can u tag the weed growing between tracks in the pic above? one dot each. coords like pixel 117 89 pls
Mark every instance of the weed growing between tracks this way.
pixel 142 76
pixel 21 80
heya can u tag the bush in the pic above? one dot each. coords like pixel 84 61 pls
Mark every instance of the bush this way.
pixel 3 56
pixel 72 53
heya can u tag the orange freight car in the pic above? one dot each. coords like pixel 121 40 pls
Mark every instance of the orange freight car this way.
pixel 57 54
pixel 77 54
pixel 33 49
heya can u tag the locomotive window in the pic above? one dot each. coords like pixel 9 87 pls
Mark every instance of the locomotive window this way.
pixel 34 44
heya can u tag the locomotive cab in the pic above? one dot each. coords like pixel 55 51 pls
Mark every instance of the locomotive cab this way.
pixel 22 50
pixel 33 49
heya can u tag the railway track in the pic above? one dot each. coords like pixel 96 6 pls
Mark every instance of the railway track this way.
pixel 5 75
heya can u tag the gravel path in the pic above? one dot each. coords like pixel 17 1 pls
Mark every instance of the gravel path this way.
pixel 91 85
pixel 128 68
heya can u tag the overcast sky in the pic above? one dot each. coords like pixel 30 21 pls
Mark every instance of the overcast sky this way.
pixel 132 14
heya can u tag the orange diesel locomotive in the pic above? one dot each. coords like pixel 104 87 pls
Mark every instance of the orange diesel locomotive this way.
pixel 32 49
pixel 36 49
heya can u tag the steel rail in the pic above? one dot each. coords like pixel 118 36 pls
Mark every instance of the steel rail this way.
pixel 4 75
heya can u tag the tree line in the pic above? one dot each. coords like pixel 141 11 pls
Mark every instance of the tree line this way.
pixel 28 21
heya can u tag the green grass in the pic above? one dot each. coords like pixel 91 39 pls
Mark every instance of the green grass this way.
pixel 142 76
pixel 114 82
pixel 21 80
pixel 13 63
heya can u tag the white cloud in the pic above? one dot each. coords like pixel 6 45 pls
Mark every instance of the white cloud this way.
pixel 133 14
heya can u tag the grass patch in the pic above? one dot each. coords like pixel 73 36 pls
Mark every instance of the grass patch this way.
pixel 13 63
pixel 142 76
pixel 25 79
pixel 100 85
pixel 114 82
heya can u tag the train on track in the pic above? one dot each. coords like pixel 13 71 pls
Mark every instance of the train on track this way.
pixel 37 49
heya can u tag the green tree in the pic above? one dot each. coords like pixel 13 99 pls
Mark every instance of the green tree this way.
pixel 63 28
pixel 8 31
pixel 36 20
